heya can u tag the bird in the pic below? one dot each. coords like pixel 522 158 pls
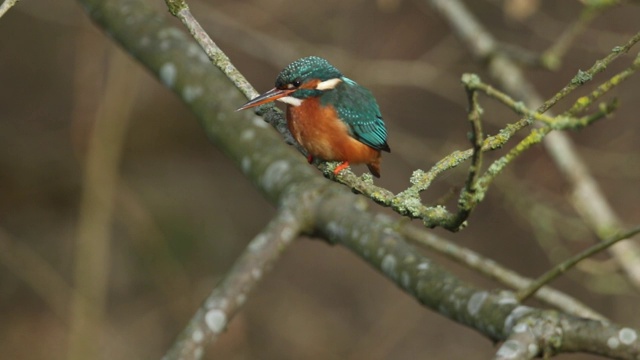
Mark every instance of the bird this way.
pixel 330 116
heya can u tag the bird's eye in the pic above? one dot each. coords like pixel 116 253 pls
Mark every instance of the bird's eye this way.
pixel 296 83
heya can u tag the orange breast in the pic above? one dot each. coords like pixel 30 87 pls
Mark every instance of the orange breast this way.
pixel 318 129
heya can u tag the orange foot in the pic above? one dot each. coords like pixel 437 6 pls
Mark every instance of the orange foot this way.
pixel 310 158
pixel 343 165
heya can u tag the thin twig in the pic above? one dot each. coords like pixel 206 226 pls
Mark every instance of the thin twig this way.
pixel 582 103
pixel 180 9
pixel 563 267
pixel 493 270
pixel 552 57
pixel 272 115
pixel 588 199
pixel 471 194
pixel 583 77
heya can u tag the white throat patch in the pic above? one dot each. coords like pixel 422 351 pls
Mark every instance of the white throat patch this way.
pixel 291 100
pixel 328 84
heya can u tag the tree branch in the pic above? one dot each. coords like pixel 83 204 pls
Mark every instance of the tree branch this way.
pixel 231 293
pixel 493 270
pixel 497 315
pixel 340 217
pixel 272 115
pixel 587 197
pixel 563 267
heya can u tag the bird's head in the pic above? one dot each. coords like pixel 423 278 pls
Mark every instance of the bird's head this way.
pixel 300 80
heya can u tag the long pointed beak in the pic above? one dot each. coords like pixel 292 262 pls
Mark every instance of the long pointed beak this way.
pixel 271 95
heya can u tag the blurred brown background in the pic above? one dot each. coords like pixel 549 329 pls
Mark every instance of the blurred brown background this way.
pixel 181 212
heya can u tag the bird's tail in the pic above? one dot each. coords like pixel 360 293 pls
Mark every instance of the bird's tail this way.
pixel 374 167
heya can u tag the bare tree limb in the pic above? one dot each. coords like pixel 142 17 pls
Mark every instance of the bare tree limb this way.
pixel 497 315
pixel 231 293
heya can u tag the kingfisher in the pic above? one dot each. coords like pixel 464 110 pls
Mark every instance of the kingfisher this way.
pixel 330 116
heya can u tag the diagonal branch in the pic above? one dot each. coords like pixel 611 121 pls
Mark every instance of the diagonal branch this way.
pixel 491 269
pixel 563 267
pixel 230 294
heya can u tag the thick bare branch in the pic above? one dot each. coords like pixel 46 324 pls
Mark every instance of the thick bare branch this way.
pixel 497 315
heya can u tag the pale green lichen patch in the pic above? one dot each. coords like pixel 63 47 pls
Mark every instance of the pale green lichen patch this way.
pixel 256 273
pixel 367 179
pixel 258 243
pixel 413 206
pixel 275 173
pixel 476 301
pixel 168 74
pixel 241 299
pixel 520 107
pixel 405 279
pixel 417 177
pixel 581 78
pixel 171 33
pixel 613 342
pixel 389 266
pixel 521 328
pixel 191 92
pixel 175 6
pixel 248 135
pixel 471 80
pixel 216 320
pixel 245 164
pixel 259 122
pixel 509 350
pixel 627 336
pixel 516 314
pixel 335 231
pixel 197 336
pixel 195 51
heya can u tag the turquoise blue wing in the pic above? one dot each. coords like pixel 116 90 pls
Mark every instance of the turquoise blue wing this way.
pixel 357 107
